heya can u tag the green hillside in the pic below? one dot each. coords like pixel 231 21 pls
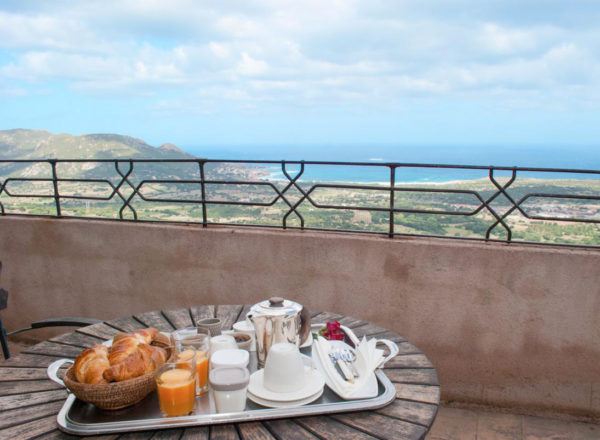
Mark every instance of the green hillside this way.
pixel 41 144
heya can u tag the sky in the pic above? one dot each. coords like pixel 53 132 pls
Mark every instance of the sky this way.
pixel 313 73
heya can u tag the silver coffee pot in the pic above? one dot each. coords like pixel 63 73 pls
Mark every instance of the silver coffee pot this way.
pixel 278 320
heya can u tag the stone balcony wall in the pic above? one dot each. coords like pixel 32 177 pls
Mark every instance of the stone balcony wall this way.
pixel 505 325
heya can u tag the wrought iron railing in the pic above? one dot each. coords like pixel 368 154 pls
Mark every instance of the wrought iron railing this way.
pixel 571 197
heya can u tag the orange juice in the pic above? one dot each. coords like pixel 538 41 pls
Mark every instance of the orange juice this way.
pixel 201 367
pixel 176 392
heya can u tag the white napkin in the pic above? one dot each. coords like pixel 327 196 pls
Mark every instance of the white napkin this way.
pixel 367 359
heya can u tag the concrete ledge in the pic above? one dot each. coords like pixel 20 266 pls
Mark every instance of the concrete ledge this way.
pixel 504 325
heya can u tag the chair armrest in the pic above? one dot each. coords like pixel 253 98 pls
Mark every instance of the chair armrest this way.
pixel 58 322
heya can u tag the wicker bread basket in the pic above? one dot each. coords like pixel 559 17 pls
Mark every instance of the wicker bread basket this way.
pixel 115 395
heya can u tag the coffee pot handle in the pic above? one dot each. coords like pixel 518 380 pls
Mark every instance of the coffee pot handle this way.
pixel 304 325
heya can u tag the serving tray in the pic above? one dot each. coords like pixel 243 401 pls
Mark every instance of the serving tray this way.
pixel 77 417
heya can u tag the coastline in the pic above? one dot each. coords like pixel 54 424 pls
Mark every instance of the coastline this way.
pixel 479 180
pixel 349 182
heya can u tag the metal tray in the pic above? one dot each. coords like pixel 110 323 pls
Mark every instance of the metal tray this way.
pixel 77 417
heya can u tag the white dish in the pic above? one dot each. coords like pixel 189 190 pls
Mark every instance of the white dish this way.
pixel 292 403
pixel 314 384
pixel 369 390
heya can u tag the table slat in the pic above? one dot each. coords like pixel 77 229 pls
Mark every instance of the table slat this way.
pixel 382 426
pixel 327 427
pixel 287 429
pixel 389 335
pixel 59 435
pixel 407 348
pixel 53 349
pixel 423 376
pixel 9 374
pixel 417 412
pixel 18 416
pixel 418 393
pixel 223 432
pixel 325 317
pixel 228 314
pixel 409 361
pixel 27 386
pixel 30 429
pixel 140 435
pixel 254 431
pixel 80 340
pixel 196 433
pixel 369 330
pixel 352 322
pixel 28 399
pixel 202 311
pixel 100 330
pixel 179 318
pixel 155 319
pixel 168 434
pixel 30 360
pixel 126 324
pixel 244 312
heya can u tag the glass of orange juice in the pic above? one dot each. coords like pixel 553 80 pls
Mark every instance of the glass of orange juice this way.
pixel 176 387
pixel 190 341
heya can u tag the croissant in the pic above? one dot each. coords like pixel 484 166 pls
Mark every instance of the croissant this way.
pixel 144 359
pixel 125 344
pixel 90 365
pixel 145 335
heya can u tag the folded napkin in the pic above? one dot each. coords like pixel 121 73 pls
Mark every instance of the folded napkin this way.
pixel 367 359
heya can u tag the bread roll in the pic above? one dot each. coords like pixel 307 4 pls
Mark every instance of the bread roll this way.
pixel 144 359
pixel 130 356
pixel 90 365
pixel 125 344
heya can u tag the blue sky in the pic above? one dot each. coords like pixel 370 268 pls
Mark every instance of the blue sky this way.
pixel 315 72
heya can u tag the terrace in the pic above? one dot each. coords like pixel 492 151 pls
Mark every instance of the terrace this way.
pixel 509 323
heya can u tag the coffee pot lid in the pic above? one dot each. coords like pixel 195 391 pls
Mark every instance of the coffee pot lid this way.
pixel 276 306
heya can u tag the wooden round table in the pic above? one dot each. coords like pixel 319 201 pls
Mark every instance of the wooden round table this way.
pixel 29 402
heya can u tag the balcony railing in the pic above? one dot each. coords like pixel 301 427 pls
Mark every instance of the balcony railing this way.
pixel 506 204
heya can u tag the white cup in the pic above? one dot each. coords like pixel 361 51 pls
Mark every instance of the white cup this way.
pixel 246 327
pixel 284 369
pixel 222 342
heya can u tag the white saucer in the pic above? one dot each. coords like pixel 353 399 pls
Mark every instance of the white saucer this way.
pixel 274 404
pixel 314 385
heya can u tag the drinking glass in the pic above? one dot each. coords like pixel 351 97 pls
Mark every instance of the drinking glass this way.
pixel 176 386
pixel 194 341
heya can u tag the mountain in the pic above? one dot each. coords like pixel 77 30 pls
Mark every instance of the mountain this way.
pixel 41 144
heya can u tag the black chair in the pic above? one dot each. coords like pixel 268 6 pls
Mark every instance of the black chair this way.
pixel 52 322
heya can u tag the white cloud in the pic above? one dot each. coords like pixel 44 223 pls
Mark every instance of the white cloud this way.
pixel 250 66
pixel 355 52
pixel 22 32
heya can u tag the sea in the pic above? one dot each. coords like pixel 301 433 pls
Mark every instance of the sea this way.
pixel 555 157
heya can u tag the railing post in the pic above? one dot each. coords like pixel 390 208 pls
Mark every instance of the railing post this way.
pixel 283 221
pixel 392 183
pixel 55 183
pixel 203 186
